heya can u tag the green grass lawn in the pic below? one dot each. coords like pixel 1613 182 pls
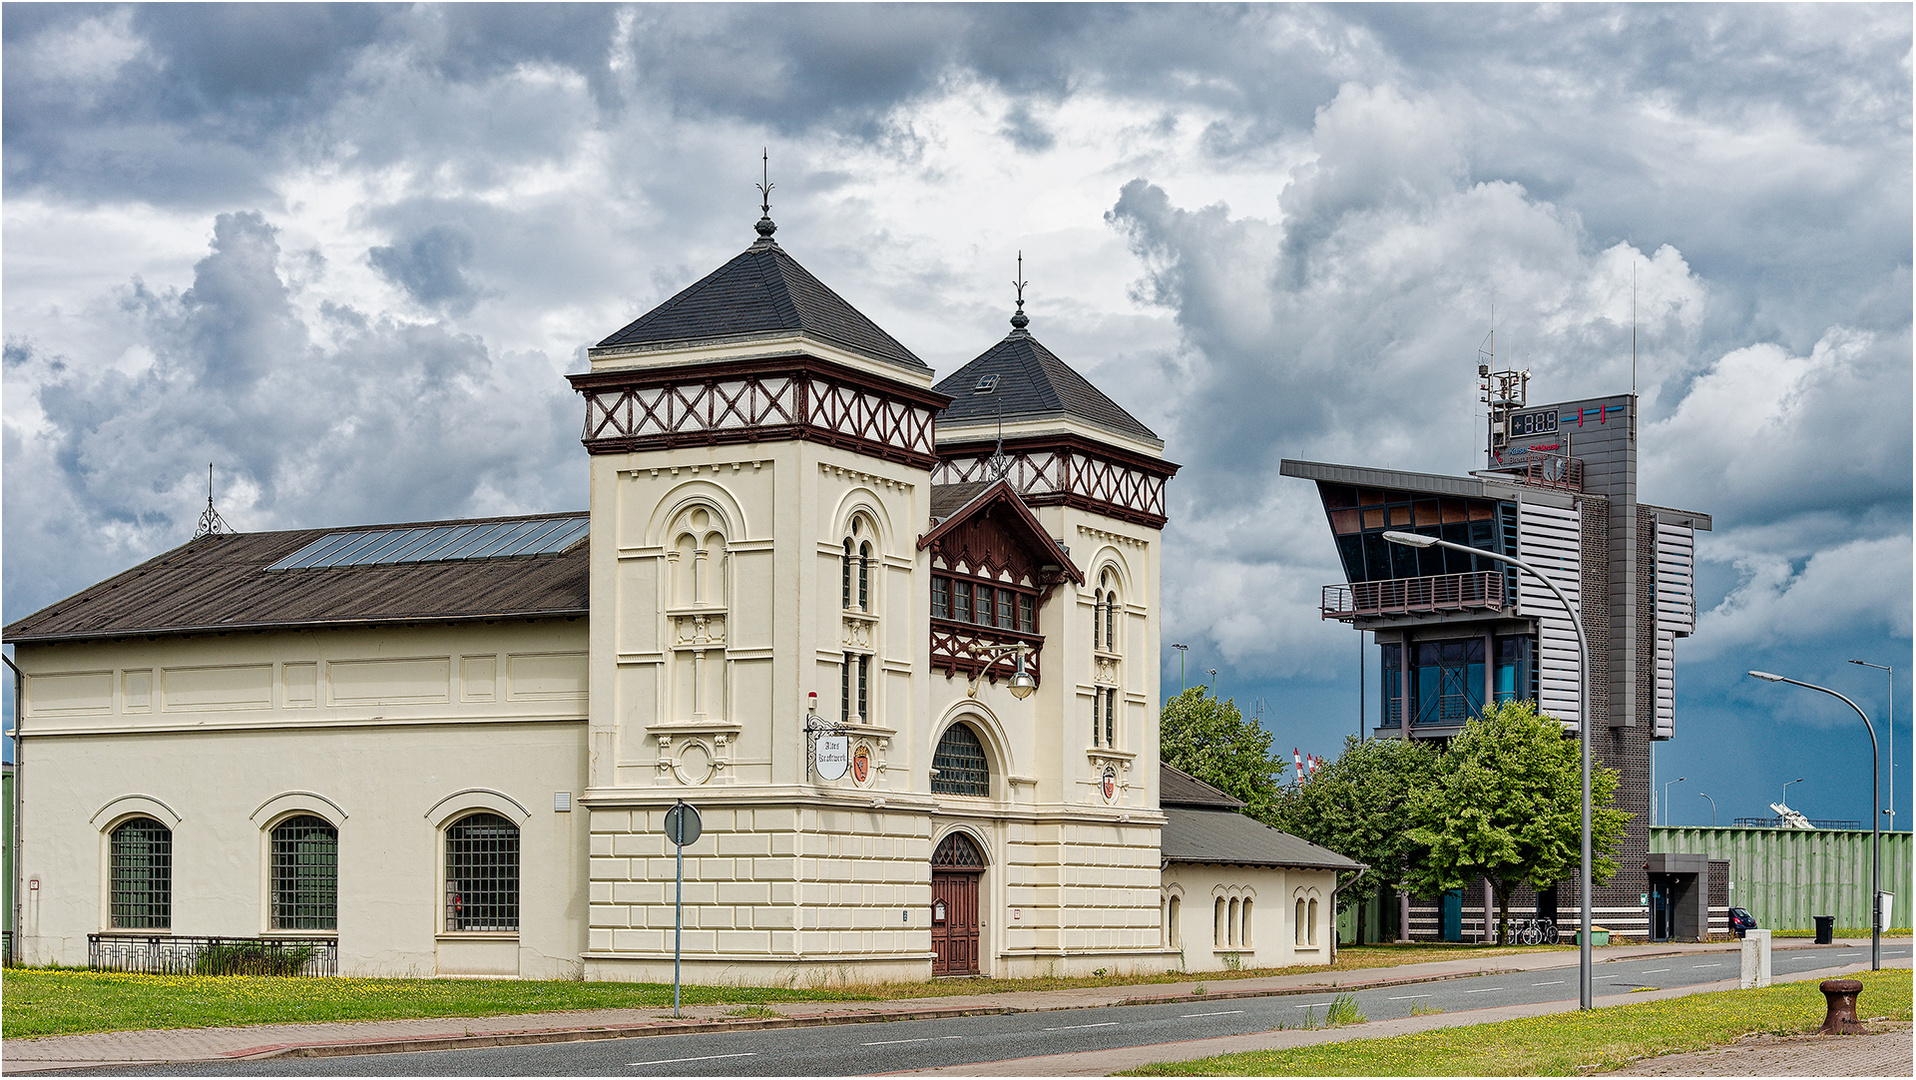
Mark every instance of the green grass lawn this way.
pixel 1564 1044
pixel 64 1002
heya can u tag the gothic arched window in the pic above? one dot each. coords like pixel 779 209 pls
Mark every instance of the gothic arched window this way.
pixel 959 764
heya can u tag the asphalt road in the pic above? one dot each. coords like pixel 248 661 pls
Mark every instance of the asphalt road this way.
pixel 860 1049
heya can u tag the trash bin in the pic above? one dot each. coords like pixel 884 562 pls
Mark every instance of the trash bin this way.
pixel 1825 929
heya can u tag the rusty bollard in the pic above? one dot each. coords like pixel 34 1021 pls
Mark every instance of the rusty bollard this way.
pixel 1841 1018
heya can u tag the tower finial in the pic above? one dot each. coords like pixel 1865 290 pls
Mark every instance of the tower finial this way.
pixel 1019 320
pixel 766 227
pixel 211 523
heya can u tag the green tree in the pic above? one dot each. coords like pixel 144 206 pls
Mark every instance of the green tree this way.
pixel 1508 807
pixel 1211 740
pixel 1357 806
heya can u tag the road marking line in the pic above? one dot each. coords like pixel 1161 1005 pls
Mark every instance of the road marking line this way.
pixel 1705 965
pixel 1559 982
pixel 674 1061
pixel 895 1042
pixel 1407 997
pixel 1311 1004
pixel 1485 990
pixel 1075 1027
pixel 1227 1012
pixel 1653 971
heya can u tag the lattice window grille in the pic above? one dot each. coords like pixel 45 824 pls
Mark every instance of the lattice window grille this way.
pixel 141 875
pixel 305 865
pixel 960 764
pixel 482 874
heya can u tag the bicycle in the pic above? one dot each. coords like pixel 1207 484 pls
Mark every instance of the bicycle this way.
pixel 1536 932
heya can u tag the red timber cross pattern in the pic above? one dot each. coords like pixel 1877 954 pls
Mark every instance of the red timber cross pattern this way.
pixel 794 397
pixel 1069 470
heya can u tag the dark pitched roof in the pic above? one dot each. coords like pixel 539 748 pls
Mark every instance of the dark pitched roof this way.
pixel 948 499
pixel 1179 788
pixel 1032 383
pixel 222 582
pixel 1224 837
pixel 763 290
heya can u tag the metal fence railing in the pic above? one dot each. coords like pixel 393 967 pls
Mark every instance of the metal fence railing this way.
pixel 154 954
pixel 1481 589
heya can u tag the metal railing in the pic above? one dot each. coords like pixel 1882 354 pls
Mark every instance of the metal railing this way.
pixel 1480 589
pixel 1544 469
pixel 1779 823
pixel 154 954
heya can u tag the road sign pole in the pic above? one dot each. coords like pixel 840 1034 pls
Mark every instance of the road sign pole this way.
pixel 678 913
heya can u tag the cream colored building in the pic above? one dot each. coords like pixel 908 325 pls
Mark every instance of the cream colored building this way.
pixel 809 581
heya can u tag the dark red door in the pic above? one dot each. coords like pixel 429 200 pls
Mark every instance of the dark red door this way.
pixel 954 922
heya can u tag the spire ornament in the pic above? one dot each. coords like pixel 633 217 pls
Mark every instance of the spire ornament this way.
pixel 211 523
pixel 766 227
pixel 1019 320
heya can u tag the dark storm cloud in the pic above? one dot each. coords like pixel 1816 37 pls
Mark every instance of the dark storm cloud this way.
pixel 357 419
pixel 431 267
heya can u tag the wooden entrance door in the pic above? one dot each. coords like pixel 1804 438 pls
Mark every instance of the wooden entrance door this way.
pixel 957 866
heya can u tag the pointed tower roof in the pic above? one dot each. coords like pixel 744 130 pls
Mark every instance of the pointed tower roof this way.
pixel 1031 383
pixel 763 291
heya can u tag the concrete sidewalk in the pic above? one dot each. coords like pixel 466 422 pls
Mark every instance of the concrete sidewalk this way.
pixel 135 1048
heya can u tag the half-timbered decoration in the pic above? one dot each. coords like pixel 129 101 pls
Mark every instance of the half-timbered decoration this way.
pixel 869 680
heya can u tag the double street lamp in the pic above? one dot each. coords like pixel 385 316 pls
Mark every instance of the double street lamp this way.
pixel 1875 813
pixel 1584 984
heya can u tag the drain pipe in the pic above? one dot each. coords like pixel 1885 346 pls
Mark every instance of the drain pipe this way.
pixel 15 919
pixel 1362 870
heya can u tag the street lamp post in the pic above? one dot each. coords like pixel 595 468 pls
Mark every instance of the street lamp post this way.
pixel 1786 788
pixel 1584 983
pixel 1183 651
pixel 1891 811
pixel 1875 813
pixel 1706 795
pixel 1666 799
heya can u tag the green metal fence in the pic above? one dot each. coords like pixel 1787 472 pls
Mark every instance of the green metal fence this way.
pixel 1785 876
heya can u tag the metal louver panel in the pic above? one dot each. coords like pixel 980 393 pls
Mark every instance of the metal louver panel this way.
pixel 1552 541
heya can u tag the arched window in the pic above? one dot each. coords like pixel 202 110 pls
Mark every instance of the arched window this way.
pixel 482 873
pixel 959 765
pixel 1218 933
pixel 864 575
pixel 140 878
pixel 957 852
pixel 854 575
pixel 1302 922
pixel 1109 593
pixel 1230 922
pixel 305 870
pixel 1244 925
pixel 1313 923
pixel 1097 620
pixel 845 576
pixel 1172 934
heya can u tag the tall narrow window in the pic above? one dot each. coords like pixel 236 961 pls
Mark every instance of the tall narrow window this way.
pixel 961 601
pixel 1218 932
pixel 1027 615
pixel 940 598
pixel 1313 923
pixel 864 576
pixel 1110 613
pixel 984 605
pixel 1097 718
pixel 482 874
pixel 1097 620
pixel 305 874
pixel 845 576
pixel 1244 925
pixel 140 889
pixel 1110 717
pixel 1301 923
pixel 1230 923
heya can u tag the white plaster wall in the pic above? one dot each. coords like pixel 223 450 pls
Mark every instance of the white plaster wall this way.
pixel 1273 892
pixel 387 769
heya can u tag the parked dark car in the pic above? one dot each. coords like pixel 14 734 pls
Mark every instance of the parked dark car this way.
pixel 1741 921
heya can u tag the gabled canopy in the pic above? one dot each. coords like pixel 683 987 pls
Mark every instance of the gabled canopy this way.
pixel 999 500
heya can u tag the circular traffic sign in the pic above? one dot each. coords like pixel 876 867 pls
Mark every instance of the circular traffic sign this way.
pixel 682 824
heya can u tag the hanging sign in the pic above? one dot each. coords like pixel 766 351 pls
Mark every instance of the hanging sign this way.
pixel 938 912
pixel 862 764
pixel 834 756
pixel 1110 781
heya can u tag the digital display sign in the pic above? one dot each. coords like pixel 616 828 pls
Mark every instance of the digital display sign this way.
pixel 1523 425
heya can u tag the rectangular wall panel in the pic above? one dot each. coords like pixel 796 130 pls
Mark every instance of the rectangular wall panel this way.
pixel 424 681
pixel 1552 541
pixel 84 694
pixel 545 676
pixel 239 686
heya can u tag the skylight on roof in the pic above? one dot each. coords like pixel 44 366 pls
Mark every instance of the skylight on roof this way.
pixel 986 385
pixel 438 543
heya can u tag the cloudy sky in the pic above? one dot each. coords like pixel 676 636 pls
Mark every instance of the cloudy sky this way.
pixel 347 253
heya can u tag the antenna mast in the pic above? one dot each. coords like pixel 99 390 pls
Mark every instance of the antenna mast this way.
pixel 1504 392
